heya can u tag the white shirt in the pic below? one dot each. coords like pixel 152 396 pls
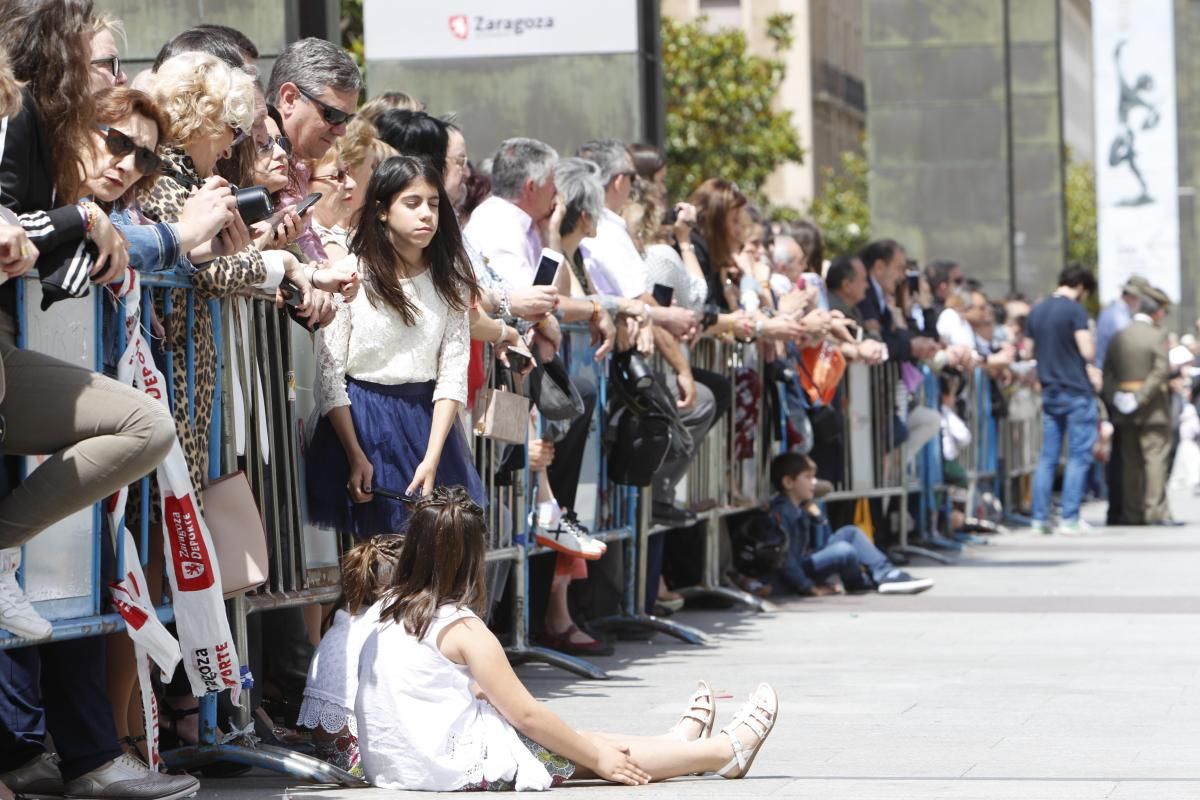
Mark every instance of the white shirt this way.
pixel 374 344
pixel 955 434
pixel 507 237
pixel 419 725
pixel 664 265
pixel 954 331
pixel 332 685
pixel 611 259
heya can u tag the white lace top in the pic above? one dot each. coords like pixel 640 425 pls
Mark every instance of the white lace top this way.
pixel 419 725
pixel 332 681
pixel 374 344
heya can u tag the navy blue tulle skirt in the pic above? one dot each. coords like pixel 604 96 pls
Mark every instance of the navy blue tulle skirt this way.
pixel 392 424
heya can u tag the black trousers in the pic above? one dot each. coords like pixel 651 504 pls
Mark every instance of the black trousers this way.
pixel 59 688
pixel 568 454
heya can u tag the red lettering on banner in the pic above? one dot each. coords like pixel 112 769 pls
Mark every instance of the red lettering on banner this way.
pixel 134 617
pixel 193 567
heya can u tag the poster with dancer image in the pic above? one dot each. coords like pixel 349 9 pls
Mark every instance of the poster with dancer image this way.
pixel 1137 203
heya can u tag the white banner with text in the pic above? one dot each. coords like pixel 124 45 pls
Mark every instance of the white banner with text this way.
pixel 403 30
pixel 1137 200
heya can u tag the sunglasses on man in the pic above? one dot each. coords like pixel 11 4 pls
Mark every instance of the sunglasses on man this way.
pixel 145 160
pixel 332 116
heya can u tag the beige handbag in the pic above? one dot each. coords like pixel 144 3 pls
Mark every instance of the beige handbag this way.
pixel 238 536
pixel 500 413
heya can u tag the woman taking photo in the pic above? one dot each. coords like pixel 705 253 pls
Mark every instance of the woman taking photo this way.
pixel 392 367
pixel 101 435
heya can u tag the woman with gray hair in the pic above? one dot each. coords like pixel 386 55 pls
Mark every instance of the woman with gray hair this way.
pixel 580 206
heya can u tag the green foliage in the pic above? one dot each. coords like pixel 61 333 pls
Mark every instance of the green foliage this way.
pixel 352 32
pixel 1081 213
pixel 720 119
pixel 842 210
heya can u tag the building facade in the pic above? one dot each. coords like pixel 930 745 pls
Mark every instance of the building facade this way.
pixel 824 87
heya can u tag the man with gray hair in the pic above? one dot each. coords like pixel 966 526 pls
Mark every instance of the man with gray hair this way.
pixel 508 226
pixel 615 267
pixel 315 87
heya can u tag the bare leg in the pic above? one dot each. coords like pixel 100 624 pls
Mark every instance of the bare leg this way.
pixel 312 622
pixel 665 759
pixel 121 678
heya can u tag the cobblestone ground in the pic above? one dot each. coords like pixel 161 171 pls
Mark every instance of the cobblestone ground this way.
pixel 1040 668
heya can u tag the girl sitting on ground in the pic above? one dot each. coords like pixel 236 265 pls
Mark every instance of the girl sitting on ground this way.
pixel 328 707
pixel 439 707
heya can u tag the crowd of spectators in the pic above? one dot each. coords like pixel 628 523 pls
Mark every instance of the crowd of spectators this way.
pixel 416 267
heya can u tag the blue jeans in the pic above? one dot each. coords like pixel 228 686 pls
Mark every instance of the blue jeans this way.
pixel 847 553
pixel 58 687
pixel 1072 417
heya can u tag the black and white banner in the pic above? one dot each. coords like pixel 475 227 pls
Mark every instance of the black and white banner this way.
pixel 1133 48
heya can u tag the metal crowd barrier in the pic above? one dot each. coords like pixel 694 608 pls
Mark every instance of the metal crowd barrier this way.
pixel 261 351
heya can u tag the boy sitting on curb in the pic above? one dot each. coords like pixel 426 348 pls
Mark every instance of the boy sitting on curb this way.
pixel 814 555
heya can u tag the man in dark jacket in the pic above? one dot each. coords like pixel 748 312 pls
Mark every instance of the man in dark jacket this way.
pixel 886 263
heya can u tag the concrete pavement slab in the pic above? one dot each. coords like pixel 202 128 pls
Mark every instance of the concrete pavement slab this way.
pixel 1038 667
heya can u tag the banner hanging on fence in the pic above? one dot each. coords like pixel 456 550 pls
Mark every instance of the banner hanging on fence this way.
pixel 1137 203
pixel 209 656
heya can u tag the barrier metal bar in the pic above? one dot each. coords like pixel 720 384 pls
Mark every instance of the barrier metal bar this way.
pixel 620 512
pixel 272 478
pixel 712 479
pixel 929 471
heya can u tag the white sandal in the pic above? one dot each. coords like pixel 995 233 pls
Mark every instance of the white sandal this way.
pixel 759 714
pixel 702 708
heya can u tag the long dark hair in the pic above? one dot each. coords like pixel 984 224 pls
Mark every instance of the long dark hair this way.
pixel 416 133
pixel 48 44
pixel 449 268
pixel 441 562
pixel 713 200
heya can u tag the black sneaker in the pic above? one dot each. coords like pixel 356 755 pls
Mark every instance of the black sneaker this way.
pixel 664 513
pixel 900 582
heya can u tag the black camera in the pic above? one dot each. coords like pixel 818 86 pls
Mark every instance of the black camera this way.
pixel 253 204
pixel 634 372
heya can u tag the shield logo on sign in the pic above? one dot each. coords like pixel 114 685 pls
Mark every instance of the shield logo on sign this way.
pixel 458 26
pixel 192 570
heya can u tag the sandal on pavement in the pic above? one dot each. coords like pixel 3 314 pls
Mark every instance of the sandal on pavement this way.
pixel 759 715
pixel 702 708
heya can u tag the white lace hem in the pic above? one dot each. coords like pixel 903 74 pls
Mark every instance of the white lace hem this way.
pixel 328 716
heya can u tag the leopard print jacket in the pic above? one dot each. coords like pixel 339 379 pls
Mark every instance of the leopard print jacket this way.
pixel 222 277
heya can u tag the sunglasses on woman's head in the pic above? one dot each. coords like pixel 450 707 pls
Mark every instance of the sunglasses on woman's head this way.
pixel 284 143
pixel 113 62
pixel 332 116
pixel 120 145
pixel 239 135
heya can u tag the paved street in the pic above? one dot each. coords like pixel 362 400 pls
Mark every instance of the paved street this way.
pixel 1037 668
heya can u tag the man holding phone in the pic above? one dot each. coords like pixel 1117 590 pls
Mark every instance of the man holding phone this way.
pixel 315 87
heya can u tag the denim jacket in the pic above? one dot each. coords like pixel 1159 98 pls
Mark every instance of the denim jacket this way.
pixel 806 534
pixel 153 247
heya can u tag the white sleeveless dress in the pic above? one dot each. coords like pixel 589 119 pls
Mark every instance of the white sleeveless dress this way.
pixel 419 726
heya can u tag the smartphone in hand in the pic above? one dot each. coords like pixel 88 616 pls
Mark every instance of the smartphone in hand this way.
pixel 547 267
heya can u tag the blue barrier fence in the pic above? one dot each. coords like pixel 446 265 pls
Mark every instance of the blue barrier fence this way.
pixel 262 352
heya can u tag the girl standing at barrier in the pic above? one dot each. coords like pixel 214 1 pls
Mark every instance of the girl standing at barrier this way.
pixel 392 367
pixel 440 708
